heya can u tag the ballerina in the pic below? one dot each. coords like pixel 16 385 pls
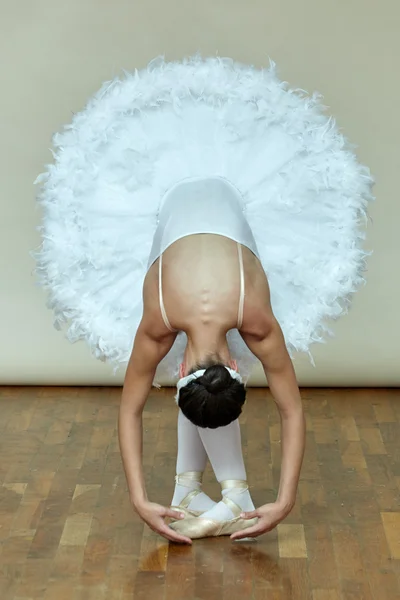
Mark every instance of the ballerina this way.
pixel 205 278
pixel 207 214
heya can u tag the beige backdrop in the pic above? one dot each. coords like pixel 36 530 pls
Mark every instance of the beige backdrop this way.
pixel 55 54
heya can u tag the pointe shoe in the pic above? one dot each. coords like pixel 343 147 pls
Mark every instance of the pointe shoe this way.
pixel 187 479
pixel 198 527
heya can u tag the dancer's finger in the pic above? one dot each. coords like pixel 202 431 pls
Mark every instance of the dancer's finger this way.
pixel 169 512
pixel 174 536
pixel 249 515
pixel 249 532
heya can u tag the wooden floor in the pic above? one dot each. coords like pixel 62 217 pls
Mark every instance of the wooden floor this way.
pixel 67 530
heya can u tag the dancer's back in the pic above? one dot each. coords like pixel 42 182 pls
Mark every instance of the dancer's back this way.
pixel 201 285
pixel 204 269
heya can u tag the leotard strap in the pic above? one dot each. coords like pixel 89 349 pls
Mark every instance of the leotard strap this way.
pixel 162 307
pixel 242 290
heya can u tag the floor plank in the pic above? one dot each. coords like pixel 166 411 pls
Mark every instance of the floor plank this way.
pixel 67 530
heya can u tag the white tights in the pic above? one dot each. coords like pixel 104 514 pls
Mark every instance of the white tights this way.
pixel 224 449
pixel 191 457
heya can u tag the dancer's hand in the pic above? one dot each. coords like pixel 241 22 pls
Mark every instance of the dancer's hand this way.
pixel 154 514
pixel 269 515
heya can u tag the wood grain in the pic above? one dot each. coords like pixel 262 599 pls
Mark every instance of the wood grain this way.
pixel 68 532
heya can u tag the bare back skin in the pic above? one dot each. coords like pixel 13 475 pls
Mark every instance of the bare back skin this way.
pixel 201 288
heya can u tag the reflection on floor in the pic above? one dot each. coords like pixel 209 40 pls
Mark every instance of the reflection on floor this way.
pixel 68 532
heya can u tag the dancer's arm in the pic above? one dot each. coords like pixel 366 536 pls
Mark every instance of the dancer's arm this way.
pixel 148 351
pixel 271 350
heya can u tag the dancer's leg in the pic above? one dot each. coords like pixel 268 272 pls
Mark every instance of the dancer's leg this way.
pixel 224 449
pixel 191 457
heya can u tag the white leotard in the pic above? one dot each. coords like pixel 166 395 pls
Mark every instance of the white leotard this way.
pixel 200 205
pixel 212 205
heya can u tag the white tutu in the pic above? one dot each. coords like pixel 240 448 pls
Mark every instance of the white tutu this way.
pixel 304 196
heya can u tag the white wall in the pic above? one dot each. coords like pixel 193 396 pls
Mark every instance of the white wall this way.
pixel 56 54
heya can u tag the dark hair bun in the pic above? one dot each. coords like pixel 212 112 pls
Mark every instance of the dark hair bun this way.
pixel 216 379
pixel 213 400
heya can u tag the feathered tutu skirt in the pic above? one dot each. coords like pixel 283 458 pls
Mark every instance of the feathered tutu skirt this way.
pixel 304 193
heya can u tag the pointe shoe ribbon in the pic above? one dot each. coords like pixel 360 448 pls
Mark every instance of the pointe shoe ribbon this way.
pixel 187 479
pixel 198 527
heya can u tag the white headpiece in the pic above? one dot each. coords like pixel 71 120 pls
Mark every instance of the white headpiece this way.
pixel 185 380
